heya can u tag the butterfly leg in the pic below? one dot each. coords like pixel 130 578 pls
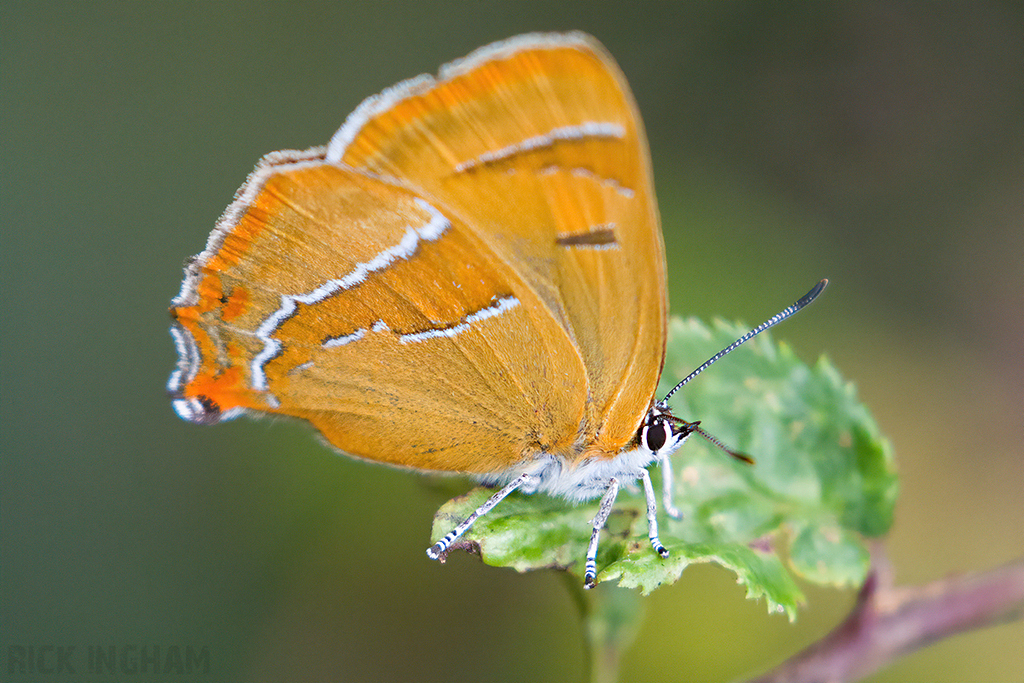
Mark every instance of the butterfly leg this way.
pixel 652 515
pixel 438 550
pixel 668 489
pixel 605 509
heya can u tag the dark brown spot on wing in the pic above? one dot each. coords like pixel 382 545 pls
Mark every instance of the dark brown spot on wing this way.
pixel 598 236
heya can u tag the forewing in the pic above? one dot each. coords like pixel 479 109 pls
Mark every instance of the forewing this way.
pixel 537 145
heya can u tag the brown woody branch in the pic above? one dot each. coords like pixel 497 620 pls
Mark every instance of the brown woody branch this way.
pixel 888 622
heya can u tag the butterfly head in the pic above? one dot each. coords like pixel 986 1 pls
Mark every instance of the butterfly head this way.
pixel 662 433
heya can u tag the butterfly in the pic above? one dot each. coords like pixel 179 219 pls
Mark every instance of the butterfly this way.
pixel 468 278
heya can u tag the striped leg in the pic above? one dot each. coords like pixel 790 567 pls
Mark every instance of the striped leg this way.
pixel 668 489
pixel 652 515
pixel 605 509
pixel 438 550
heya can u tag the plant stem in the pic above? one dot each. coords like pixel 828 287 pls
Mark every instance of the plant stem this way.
pixel 611 617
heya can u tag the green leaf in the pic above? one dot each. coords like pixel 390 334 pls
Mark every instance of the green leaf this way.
pixel 824 479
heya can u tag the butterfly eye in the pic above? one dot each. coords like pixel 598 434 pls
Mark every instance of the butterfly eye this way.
pixel 656 435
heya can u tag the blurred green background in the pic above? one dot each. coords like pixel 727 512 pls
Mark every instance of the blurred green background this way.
pixel 878 144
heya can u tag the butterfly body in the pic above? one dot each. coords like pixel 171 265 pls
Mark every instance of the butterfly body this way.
pixel 579 482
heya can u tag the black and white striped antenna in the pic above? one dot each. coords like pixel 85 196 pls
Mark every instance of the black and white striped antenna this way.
pixel 771 322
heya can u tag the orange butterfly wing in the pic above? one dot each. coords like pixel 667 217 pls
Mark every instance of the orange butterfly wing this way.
pixel 537 143
pixel 473 275
pixel 354 304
